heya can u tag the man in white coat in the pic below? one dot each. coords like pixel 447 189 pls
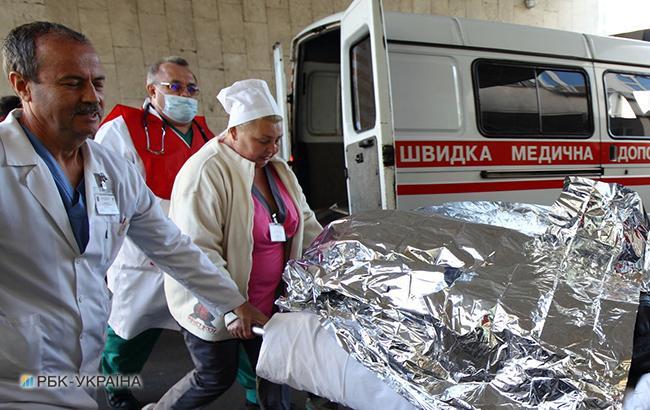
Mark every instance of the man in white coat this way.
pixel 66 206
pixel 157 138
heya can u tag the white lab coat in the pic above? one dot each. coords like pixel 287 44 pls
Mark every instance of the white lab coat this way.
pixel 54 302
pixel 138 301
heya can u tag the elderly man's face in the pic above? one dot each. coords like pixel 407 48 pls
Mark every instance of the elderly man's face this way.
pixel 170 73
pixel 68 98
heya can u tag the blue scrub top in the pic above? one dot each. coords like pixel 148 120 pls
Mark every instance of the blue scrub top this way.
pixel 74 200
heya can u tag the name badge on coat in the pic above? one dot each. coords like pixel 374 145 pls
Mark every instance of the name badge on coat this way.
pixel 277 232
pixel 105 203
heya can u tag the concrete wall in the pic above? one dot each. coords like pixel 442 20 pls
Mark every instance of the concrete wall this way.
pixel 227 40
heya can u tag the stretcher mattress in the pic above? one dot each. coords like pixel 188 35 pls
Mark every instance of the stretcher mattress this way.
pixel 299 352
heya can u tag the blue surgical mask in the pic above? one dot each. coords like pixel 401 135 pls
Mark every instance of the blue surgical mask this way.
pixel 180 109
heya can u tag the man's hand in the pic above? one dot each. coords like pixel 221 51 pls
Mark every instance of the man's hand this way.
pixel 248 315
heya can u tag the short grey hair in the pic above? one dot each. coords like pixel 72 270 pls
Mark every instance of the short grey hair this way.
pixel 272 118
pixel 19 47
pixel 154 68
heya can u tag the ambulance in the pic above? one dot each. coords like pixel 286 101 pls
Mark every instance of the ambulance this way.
pixel 397 111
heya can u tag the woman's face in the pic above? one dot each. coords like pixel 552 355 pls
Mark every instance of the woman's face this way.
pixel 257 142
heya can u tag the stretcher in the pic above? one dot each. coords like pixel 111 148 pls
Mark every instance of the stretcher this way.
pixel 639 399
pixel 299 352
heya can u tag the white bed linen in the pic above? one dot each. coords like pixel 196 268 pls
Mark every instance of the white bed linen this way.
pixel 298 352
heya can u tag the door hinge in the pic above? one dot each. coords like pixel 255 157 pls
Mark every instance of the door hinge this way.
pixel 388 155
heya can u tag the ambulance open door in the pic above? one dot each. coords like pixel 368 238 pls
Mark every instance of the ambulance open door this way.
pixel 281 99
pixel 366 104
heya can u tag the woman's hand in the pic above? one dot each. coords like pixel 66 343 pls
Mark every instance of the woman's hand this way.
pixel 247 315
pixel 236 329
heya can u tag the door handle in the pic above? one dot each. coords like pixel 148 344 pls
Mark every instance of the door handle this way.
pixel 541 174
pixel 612 152
pixel 367 143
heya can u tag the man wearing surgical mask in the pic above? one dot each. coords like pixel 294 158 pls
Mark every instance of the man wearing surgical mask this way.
pixel 158 138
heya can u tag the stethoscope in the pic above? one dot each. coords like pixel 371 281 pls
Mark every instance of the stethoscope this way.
pixel 164 131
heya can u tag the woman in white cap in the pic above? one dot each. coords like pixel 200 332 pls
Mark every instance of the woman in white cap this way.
pixel 245 209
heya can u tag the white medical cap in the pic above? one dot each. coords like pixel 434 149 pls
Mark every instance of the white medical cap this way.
pixel 247 100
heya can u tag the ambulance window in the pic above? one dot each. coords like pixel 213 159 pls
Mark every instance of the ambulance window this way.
pixel 525 100
pixel 507 99
pixel 324 107
pixel 363 90
pixel 628 104
pixel 564 106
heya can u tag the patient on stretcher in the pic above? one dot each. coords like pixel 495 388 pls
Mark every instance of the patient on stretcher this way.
pixel 471 305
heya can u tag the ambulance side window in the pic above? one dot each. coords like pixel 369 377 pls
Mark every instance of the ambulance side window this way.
pixel 516 99
pixel 628 104
pixel 363 89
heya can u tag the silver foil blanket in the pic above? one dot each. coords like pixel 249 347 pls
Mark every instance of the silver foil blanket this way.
pixel 478 305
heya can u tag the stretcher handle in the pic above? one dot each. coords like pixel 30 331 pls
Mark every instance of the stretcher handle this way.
pixel 231 317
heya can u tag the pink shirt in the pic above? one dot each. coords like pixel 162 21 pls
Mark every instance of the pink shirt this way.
pixel 268 257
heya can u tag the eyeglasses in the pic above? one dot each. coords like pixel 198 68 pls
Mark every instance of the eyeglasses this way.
pixel 145 125
pixel 178 87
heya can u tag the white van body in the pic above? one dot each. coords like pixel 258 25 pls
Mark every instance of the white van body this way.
pixel 404 110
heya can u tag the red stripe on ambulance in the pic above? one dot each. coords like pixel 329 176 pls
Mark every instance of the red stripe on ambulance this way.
pixel 435 189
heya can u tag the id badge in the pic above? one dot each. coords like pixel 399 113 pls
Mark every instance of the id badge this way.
pixel 277 233
pixel 105 204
